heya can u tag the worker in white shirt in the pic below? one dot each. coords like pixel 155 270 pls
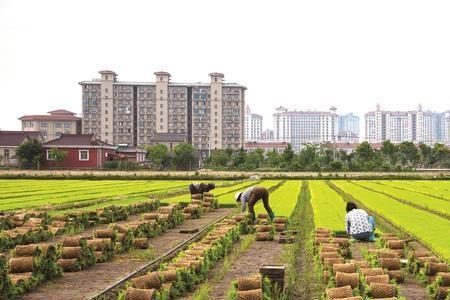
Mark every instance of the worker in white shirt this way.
pixel 359 224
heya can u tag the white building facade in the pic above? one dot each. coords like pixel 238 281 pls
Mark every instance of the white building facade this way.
pixel 416 126
pixel 302 127
pixel 348 128
pixel 253 126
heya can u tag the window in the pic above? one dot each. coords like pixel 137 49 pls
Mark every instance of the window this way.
pixel 161 91
pixel 83 154
pixel 6 154
pixel 49 155
pixel 106 90
pixel 57 124
pixel 106 77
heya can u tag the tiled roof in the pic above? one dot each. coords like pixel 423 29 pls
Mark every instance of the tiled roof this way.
pixel 61 112
pixel 16 138
pixel 57 117
pixel 76 140
pixel 265 145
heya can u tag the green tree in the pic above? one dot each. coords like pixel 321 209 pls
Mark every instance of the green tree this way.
pixel 287 156
pixel 220 158
pixel 409 152
pixel 158 156
pixel 30 154
pixel 307 155
pixel 439 155
pixel 254 159
pixel 388 149
pixel 273 159
pixel 184 155
pixel 425 155
pixel 365 152
pixel 238 158
pixel 57 155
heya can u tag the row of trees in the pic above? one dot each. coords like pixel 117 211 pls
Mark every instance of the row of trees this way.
pixel 390 157
pixel 182 156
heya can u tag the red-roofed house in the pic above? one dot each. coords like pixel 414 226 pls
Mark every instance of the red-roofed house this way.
pixel 84 151
pixel 52 125
pixel 10 141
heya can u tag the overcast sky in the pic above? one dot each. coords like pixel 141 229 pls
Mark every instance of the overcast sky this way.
pixel 299 54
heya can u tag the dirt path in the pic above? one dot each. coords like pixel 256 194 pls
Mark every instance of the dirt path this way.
pixel 87 283
pixel 411 288
pixel 249 263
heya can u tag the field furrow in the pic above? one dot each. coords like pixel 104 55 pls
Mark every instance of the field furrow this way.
pixel 431 204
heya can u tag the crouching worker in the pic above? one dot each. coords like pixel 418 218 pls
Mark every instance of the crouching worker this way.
pixel 251 196
pixel 359 224
pixel 200 187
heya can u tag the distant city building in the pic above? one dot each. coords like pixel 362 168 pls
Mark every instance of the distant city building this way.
pixel 52 125
pixel 301 127
pixel 267 135
pixel 10 141
pixel 347 136
pixel 266 146
pixel 348 128
pixel 253 126
pixel 207 115
pixel 447 127
pixel 416 126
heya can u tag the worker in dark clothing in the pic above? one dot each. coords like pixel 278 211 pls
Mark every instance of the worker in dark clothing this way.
pixel 251 196
pixel 200 187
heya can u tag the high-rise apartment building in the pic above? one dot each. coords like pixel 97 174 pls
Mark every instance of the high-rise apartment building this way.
pixel 267 135
pixel 207 115
pixel 447 127
pixel 416 126
pixel 52 125
pixel 253 126
pixel 348 128
pixel 301 127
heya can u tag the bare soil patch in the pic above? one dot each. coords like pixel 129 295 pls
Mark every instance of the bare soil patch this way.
pixel 249 263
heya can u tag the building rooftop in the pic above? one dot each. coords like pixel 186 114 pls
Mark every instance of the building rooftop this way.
pixel 49 118
pixel 61 112
pixel 266 145
pixel 54 115
pixel 169 137
pixel 76 140
pixel 186 84
pixel 16 138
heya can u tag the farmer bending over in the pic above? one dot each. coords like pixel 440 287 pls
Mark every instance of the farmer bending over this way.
pixel 253 195
pixel 200 187
pixel 359 224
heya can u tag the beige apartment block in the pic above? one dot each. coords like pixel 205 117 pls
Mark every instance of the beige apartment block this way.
pixel 207 115
pixel 52 125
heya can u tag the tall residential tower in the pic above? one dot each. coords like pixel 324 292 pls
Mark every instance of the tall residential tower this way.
pixel 416 126
pixel 207 115
pixel 253 126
